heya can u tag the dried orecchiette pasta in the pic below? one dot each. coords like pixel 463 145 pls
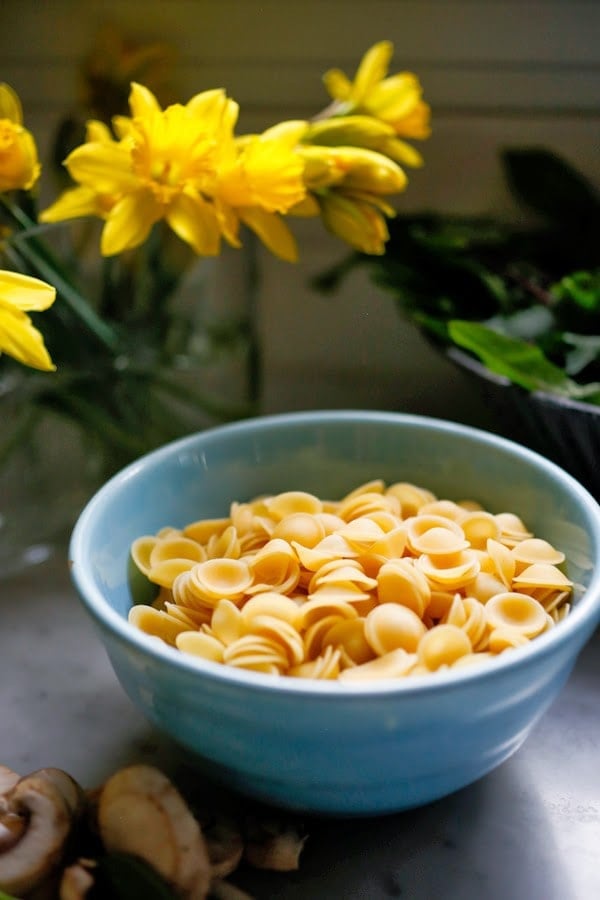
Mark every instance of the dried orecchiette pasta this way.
pixel 389 582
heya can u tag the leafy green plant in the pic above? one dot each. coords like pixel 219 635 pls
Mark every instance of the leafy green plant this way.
pixel 523 298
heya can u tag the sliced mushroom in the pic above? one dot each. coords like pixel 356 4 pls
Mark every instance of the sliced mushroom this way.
pixel 8 779
pixel 72 792
pixel 274 845
pixel 225 845
pixel 142 813
pixel 36 818
pixel 77 880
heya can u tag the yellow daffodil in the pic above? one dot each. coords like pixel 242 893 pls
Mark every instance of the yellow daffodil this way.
pixel 183 165
pixel 20 294
pixel 395 100
pixel 19 165
pixel 262 179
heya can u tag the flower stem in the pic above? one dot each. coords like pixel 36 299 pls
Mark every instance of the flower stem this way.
pixel 48 268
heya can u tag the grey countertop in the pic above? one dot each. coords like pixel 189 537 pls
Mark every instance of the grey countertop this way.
pixel 528 831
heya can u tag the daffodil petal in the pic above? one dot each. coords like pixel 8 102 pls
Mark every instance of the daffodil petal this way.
pixel 402 152
pixel 218 112
pixel 142 101
pixel 104 167
pixel 10 105
pixel 25 292
pixel 306 209
pixel 96 131
pixel 289 133
pixel 72 204
pixel 372 69
pixel 337 84
pixel 272 231
pixel 194 220
pixel 21 340
pixel 129 223
pixel 122 126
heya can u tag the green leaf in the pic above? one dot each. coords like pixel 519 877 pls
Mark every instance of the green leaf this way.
pixel 119 876
pixel 585 350
pixel 583 288
pixel 523 363
pixel 551 187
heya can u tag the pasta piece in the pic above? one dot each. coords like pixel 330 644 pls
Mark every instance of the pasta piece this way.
pixel 394 664
pixel 156 622
pixel 290 502
pixel 270 603
pixel 216 579
pixel 227 623
pixel 197 643
pixel 324 667
pixel 141 549
pixel 301 527
pixel 349 636
pixel 393 627
pixel 274 568
pixel 176 547
pixel 387 582
pixel 164 573
pixel 442 645
pixel 411 497
pixel 518 611
pixel 400 581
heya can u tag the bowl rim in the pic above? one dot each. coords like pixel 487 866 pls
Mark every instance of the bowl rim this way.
pixel 585 614
pixel 546 398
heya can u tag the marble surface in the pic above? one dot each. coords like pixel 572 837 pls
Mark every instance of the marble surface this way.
pixel 528 831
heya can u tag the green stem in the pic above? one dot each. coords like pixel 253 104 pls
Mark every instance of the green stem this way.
pixel 199 399
pixel 25 423
pixel 83 412
pixel 48 268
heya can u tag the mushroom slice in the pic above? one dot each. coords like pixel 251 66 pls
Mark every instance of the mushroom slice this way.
pixel 39 818
pixel 8 779
pixel 72 792
pixel 274 845
pixel 77 880
pixel 225 846
pixel 140 812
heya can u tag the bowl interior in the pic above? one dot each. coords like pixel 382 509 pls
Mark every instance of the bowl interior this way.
pixel 327 453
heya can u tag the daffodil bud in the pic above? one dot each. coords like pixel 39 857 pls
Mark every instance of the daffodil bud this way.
pixel 395 100
pixel 356 222
pixel 357 168
pixel 19 165
pixel 349 131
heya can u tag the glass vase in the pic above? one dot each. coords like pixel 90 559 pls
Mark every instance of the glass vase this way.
pixel 65 433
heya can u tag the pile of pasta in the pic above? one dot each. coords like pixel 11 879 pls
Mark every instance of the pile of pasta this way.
pixel 388 582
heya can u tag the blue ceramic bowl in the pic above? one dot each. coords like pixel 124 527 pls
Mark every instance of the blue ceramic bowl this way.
pixel 323 746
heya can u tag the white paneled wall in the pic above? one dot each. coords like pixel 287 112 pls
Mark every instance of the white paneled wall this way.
pixel 496 72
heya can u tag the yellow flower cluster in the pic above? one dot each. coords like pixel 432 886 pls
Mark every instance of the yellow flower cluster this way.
pixel 19 294
pixel 186 166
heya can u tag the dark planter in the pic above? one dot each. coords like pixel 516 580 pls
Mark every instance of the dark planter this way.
pixel 565 431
